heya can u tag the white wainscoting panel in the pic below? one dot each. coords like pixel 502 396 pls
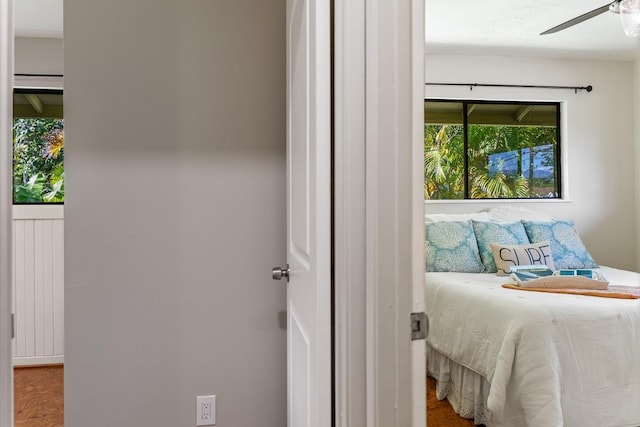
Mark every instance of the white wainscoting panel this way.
pixel 38 284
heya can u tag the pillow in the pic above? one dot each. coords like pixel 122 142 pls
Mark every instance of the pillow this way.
pixel 502 233
pixel 508 213
pixel 479 216
pixel 451 246
pixel 566 245
pixel 532 254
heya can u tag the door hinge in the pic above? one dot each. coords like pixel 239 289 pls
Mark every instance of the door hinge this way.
pixel 13 326
pixel 419 326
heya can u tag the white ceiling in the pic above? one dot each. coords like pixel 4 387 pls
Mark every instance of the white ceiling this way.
pixel 513 27
pixel 462 26
pixel 38 18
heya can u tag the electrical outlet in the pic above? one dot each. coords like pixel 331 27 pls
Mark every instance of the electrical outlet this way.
pixel 206 410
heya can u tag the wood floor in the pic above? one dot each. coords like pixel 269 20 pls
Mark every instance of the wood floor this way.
pixel 39 400
pixel 39 396
pixel 440 413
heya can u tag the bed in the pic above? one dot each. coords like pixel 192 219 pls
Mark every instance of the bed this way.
pixel 512 358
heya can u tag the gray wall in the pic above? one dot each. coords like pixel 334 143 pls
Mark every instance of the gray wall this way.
pixel 37 55
pixel 174 214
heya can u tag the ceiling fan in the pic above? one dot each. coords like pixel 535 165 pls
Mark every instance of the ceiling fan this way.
pixel 629 11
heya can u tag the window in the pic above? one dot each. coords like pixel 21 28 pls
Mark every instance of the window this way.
pixel 38 146
pixel 491 150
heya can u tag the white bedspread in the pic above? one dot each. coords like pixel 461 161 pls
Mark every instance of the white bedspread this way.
pixel 551 359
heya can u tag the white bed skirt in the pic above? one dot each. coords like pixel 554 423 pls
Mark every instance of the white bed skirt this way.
pixel 466 390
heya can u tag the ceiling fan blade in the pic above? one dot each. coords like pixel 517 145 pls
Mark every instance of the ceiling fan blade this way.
pixel 577 20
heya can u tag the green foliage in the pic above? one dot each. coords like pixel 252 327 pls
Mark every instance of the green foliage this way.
pixel 57 186
pixel 38 160
pixel 444 161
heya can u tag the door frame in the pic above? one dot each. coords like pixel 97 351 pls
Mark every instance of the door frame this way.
pixel 378 238
pixel 6 118
pixel 418 347
pixel 349 240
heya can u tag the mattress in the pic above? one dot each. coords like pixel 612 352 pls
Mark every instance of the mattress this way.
pixel 549 359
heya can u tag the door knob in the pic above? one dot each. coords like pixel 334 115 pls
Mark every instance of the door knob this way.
pixel 278 273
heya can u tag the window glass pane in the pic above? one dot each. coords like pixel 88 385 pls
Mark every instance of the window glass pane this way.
pixel 491 150
pixel 443 151
pixel 512 151
pixel 38 147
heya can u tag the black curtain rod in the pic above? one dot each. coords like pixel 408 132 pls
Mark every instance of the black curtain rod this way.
pixel 37 75
pixel 472 85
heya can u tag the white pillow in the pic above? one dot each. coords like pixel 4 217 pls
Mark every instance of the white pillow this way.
pixel 507 213
pixel 532 254
pixel 476 216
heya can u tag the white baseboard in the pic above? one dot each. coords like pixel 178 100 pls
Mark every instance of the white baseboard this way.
pixel 35 361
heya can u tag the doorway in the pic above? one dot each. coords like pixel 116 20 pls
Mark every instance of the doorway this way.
pixel 38 255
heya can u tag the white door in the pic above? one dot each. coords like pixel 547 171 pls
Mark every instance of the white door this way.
pixel 309 213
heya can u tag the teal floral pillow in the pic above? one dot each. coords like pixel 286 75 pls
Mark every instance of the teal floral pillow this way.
pixel 501 233
pixel 566 245
pixel 452 246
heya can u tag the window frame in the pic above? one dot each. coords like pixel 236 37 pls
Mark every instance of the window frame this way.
pixel 465 122
pixel 38 91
